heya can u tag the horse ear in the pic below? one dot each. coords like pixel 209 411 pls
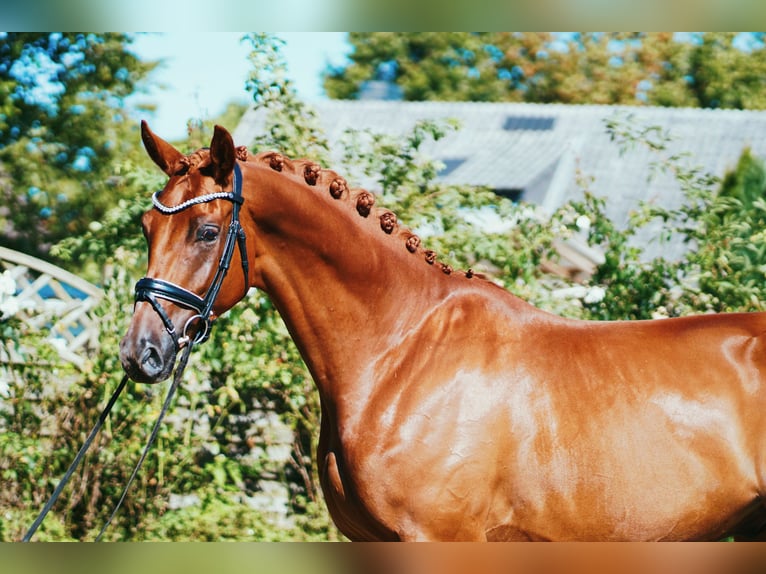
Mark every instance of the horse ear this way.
pixel 161 152
pixel 222 154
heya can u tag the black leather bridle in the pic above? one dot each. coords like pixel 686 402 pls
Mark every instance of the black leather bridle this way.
pixel 150 289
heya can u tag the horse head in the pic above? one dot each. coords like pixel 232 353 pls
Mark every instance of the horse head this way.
pixel 191 232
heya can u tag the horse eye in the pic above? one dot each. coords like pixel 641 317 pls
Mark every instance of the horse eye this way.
pixel 208 233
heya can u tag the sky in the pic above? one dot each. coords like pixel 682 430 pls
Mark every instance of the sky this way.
pixel 204 71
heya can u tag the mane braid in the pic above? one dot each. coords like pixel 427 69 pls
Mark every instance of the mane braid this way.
pixel 361 200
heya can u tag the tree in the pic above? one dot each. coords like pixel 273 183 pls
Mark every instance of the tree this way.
pixel 62 125
pixel 700 70
pixel 431 65
pixel 723 76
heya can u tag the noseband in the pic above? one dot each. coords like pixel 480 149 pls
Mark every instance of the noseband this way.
pixel 150 289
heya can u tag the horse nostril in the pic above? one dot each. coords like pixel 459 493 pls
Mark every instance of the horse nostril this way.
pixel 151 360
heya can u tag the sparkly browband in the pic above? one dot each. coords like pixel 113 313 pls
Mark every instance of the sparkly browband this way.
pixel 194 201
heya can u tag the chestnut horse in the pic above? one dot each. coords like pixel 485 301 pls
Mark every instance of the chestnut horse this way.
pixel 451 409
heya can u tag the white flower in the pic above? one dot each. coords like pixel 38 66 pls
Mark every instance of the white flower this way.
pixel 7 284
pixel 9 307
pixel 594 295
pixel 583 223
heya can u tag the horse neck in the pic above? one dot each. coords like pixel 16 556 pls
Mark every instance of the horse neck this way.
pixel 346 285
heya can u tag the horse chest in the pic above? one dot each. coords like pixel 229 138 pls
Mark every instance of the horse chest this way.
pixel 351 516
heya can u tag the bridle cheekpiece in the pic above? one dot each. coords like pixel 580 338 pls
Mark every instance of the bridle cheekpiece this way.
pixel 149 289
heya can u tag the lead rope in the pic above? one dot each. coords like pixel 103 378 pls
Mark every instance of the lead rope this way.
pixel 176 380
pixel 107 409
pixel 68 474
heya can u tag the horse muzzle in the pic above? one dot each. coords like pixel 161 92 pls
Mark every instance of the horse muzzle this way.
pixel 147 354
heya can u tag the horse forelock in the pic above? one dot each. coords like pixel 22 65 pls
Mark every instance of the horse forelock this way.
pixel 310 174
pixel 195 160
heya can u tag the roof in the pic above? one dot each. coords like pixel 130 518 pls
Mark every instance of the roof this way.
pixel 535 151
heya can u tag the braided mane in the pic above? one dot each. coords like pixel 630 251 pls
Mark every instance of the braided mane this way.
pixel 361 200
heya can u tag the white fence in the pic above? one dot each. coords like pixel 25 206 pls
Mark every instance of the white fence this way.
pixel 48 297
